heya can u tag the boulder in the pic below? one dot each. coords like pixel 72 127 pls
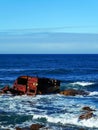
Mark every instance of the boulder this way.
pixel 86 116
pixel 17 128
pixel 86 108
pixel 73 92
pixel 36 126
pixel 32 127
pixel 26 128
pixel 69 92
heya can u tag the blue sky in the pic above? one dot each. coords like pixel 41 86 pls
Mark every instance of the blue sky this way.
pixel 48 26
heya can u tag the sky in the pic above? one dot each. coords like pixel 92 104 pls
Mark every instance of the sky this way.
pixel 48 26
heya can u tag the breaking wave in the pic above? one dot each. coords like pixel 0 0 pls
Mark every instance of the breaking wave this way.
pixel 82 83
pixel 95 93
pixel 55 109
pixel 69 119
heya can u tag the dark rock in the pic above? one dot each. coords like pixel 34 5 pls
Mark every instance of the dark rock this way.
pixel 69 92
pixel 87 115
pixel 87 109
pixel 36 126
pixel 17 128
pixel 32 127
pixel 81 129
pixel 73 92
pixel 26 128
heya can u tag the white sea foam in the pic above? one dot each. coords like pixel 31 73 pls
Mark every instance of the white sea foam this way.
pixel 54 108
pixel 10 127
pixel 95 93
pixel 69 119
pixel 82 83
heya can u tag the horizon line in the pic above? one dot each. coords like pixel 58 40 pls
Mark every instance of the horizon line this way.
pixel 49 54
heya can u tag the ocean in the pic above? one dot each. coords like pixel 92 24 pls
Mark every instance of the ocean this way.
pixel 55 111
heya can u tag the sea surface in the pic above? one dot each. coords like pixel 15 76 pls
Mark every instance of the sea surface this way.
pixel 55 111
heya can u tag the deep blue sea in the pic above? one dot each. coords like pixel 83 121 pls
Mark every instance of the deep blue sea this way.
pixel 55 111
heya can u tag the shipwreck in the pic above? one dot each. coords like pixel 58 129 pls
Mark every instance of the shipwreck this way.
pixel 32 86
pixel 39 85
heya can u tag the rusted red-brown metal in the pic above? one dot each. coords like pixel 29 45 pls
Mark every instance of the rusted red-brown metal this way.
pixel 26 85
pixel 33 85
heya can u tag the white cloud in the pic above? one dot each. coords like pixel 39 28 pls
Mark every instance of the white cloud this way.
pixel 49 43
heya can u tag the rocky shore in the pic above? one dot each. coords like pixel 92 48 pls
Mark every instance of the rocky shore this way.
pixel 33 127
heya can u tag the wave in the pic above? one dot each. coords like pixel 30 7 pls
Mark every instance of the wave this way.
pixel 56 109
pixel 95 93
pixel 68 119
pixel 82 83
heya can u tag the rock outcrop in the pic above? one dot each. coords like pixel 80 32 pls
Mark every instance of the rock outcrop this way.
pixel 88 113
pixel 32 127
pixel 87 109
pixel 73 92
pixel 36 126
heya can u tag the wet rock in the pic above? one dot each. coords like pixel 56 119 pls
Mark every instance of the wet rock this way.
pixel 73 92
pixel 17 128
pixel 36 126
pixel 69 92
pixel 81 129
pixel 87 115
pixel 87 109
pixel 32 127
